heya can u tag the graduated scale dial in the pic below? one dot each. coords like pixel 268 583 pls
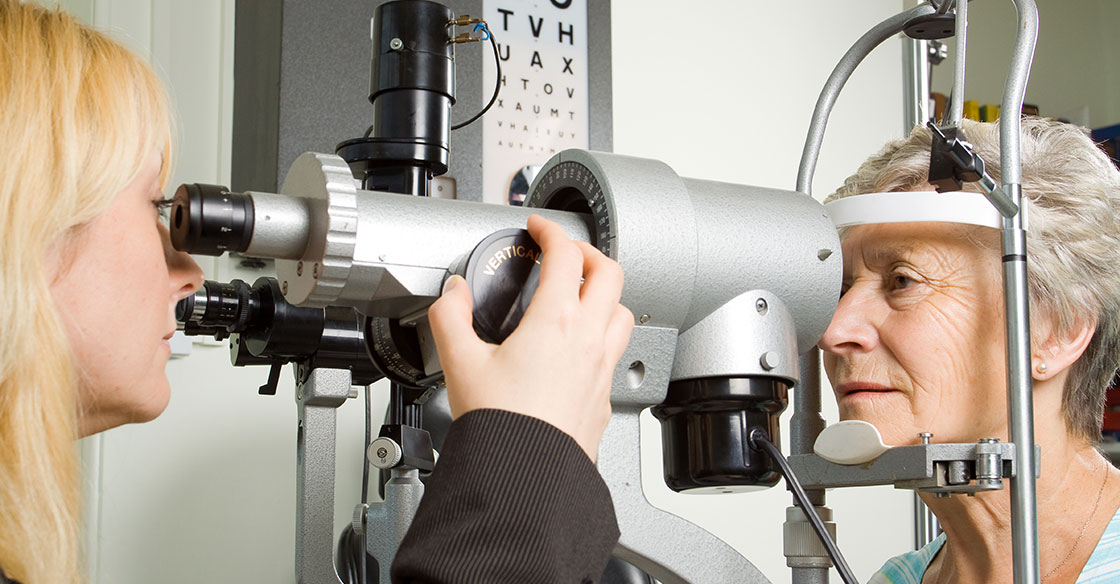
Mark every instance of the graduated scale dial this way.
pixel 572 186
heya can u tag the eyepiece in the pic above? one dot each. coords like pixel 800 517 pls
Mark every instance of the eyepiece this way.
pixel 210 220
pixel 219 306
pixel 191 308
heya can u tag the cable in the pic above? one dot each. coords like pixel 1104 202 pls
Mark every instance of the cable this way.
pixel 365 483
pixel 497 81
pixel 352 557
pixel 759 440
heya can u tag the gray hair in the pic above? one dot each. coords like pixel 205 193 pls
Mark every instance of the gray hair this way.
pixel 1072 239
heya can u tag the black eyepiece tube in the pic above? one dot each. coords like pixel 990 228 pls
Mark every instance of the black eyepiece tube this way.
pixel 230 306
pixel 210 220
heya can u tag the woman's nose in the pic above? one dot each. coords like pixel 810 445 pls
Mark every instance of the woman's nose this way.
pixel 185 275
pixel 852 328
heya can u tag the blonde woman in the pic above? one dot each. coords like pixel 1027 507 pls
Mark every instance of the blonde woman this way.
pixel 88 280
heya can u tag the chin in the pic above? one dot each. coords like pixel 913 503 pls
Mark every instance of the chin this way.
pixel 155 405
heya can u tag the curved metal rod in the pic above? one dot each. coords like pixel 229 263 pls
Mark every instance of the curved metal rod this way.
pixel 848 63
pixel 1024 516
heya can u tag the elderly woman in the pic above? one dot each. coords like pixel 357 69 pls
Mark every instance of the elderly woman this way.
pixel 89 279
pixel 917 345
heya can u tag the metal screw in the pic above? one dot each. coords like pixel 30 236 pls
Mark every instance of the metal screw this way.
pixel 284 286
pixel 644 319
pixel 299 268
pixel 925 436
pixel 382 453
pixel 761 306
pixel 317 271
pixel 770 360
pixel 396 44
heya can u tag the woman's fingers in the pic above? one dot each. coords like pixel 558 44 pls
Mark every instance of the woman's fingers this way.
pixel 452 320
pixel 561 262
pixel 602 283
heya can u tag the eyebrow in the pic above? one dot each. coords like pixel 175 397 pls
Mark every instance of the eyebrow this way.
pixel 878 253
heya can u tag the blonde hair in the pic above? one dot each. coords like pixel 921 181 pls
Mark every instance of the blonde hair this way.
pixel 80 115
pixel 1072 239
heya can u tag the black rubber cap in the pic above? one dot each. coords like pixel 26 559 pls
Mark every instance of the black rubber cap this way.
pixel 503 272
pixel 705 428
pixel 210 220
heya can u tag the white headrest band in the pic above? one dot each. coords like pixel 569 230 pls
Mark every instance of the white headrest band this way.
pixel 900 207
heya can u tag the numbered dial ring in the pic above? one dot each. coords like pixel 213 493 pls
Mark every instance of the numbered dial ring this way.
pixel 572 186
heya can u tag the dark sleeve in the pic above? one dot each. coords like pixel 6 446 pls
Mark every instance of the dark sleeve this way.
pixel 513 499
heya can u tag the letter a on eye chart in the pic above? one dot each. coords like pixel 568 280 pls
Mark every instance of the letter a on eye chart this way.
pixel 543 106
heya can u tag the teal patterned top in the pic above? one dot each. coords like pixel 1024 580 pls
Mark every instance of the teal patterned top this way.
pixel 1103 566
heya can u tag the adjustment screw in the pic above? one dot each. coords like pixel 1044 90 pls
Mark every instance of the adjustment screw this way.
pixel 384 453
pixel 761 306
pixel 396 44
pixel 770 360
pixel 358 522
pixel 644 319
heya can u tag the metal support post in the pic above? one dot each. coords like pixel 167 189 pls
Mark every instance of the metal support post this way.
pixel 805 425
pixel 317 397
pixel 388 521
pixel 1024 512
pixel 915 84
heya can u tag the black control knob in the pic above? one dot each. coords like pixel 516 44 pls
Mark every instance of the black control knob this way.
pixel 502 271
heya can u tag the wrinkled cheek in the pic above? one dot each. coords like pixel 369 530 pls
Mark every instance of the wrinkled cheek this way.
pixel 891 419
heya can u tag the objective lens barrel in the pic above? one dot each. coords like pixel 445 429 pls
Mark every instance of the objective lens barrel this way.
pixel 217 305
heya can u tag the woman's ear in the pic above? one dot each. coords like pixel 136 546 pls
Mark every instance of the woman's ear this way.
pixel 1054 353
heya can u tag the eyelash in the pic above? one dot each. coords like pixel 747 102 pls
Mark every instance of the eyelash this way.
pixel 163 207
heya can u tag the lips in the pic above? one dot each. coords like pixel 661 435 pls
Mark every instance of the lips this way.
pixel 862 387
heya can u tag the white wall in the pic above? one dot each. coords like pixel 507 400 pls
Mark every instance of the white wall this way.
pixel 724 90
pixel 718 89
pixel 1076 69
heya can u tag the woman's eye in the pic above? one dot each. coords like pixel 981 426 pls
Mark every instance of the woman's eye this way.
pixel 901 281
pixel 163 207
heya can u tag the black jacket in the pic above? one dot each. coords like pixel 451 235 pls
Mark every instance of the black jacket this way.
pixel 513 499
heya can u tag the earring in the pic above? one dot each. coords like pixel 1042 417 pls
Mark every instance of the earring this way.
pixel 1041 368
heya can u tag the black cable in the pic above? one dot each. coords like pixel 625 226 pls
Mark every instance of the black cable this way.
pixel 352 557
pixel 497 83
pixel 759 440
pixel 365 483
pixel 349 546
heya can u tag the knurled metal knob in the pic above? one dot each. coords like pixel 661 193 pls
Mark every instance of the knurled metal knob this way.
pixel 384 453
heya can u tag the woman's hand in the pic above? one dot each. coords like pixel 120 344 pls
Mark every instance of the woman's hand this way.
pixel 557 365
